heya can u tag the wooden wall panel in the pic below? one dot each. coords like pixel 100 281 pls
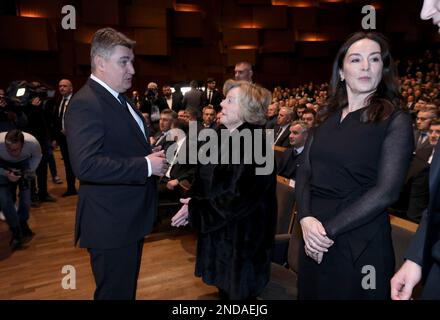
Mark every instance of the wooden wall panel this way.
pixel 238 55
pixel 270 17
pixel 233 37
pixel 40 8
pixel 168 4
pixel 151 42
pixel 22 33
pixel 304 18
pixel 255 2
pixel 187 24
pixel 106 12
pixel 235 16
pixel 82 54
pixel 278 41
pixel 145 16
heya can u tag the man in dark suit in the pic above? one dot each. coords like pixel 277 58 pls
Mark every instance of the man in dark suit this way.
pixel 180 174
pixel 66 90
pixel 418 175
pixel 423 121
pixel 168 100
pixel 292 157
pixel 208 117
pixel 423 258
pixel 193 98
pixel 281 129
pixel 167 117
pixel 211 96
pixel 112 158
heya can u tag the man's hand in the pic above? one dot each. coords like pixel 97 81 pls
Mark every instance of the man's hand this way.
pixel 11 176
pixel 172 184
pixel 36 101
pixel 159 164
pixel 157 149
pixel 404 281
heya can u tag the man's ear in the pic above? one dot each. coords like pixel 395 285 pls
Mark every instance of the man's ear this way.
pixel 100 63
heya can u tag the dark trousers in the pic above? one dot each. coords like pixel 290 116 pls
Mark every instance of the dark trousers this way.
pixel 42 175
pixel 70 176
pixel 116 271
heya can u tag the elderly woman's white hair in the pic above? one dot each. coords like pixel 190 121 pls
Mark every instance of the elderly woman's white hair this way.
pixel 252 99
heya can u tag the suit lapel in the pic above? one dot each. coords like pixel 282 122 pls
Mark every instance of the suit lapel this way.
pixel 113 103
pixel 434 176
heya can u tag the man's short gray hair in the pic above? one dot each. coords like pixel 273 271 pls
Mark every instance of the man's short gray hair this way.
pixel 302 124
pixel 105 40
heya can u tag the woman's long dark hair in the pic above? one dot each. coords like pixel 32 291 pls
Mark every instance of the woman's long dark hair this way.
pixel 381 103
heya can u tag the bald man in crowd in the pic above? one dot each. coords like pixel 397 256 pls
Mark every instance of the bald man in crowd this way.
pixel 243 71
pixel 65 89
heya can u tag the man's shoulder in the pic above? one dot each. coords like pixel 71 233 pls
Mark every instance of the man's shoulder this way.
pixel 28 137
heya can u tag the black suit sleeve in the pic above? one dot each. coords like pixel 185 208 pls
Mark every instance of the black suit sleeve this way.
pixel 85 137
pixel 417 246
pixel 393 164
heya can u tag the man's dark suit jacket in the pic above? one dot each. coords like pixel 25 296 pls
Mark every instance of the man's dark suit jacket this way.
pixel 216 99
pixel 416 188
pixel 425 247
pixel 284 140
pixel 288 163
pixel 176 105
pixel 117 199
pixel 425 144
pixel 193 99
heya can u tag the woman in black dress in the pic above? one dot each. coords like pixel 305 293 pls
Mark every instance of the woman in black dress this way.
pixel 233 206
pixel 355 165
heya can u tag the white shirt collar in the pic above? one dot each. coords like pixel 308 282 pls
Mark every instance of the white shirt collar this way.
pixel 299 150
pixel 106 86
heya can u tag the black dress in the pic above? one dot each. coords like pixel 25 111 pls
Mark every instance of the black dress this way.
pixel 234 212
pixel 353 171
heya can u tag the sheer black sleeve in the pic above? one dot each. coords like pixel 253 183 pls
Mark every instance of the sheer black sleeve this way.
pixel 393 165
pixel 302 183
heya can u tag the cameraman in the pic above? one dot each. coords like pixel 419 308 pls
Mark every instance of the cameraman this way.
pixel 11 117
pixel 151 105
pixel 38 111
pixel 20 154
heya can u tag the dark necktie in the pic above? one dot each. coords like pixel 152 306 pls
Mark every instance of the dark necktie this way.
pixel 160 138
pixel 123 101
pixel 421 138
pixel 209 96
pixel 280 129
pixel 62 108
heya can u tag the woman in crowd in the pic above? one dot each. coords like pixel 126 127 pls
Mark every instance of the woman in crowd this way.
pixel 355 165
pixel 232 206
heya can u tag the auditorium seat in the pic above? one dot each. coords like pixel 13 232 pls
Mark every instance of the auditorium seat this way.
pixel 283 281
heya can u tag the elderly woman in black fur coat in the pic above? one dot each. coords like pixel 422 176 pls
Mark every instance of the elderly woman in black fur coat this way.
pixel 233 205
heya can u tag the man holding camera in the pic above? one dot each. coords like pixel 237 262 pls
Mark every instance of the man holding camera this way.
pixel 20 154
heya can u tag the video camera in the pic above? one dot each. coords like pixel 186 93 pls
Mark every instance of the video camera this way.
pixel 26 177
pixel 20 93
